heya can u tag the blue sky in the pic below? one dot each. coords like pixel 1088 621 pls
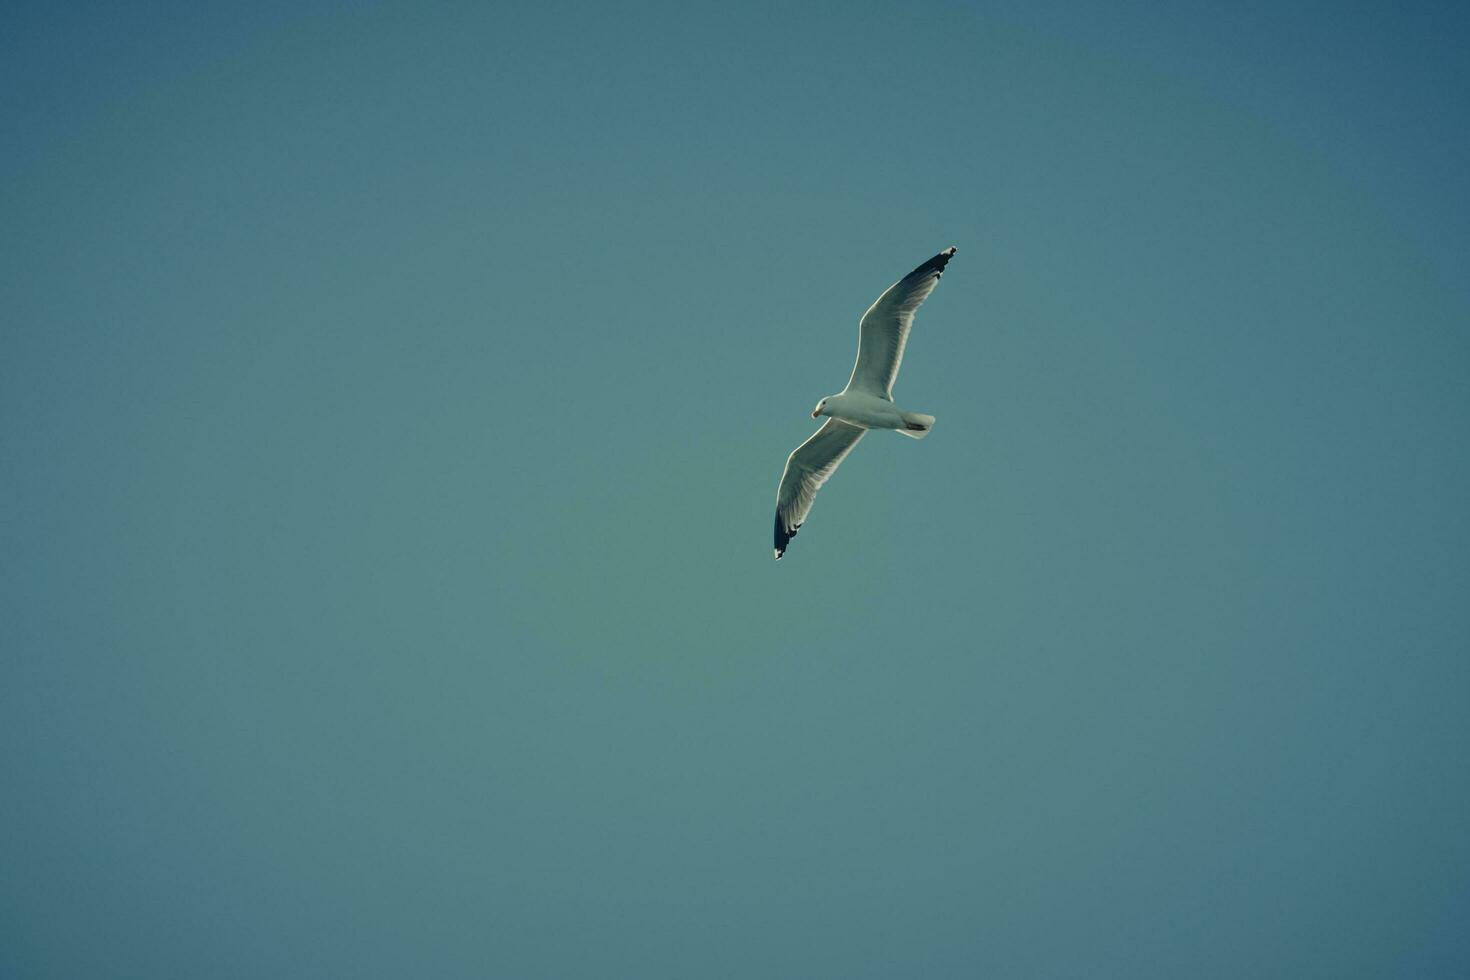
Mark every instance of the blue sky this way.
pixel 392 403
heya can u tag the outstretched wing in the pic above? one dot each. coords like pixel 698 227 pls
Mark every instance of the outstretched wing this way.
pixel 884 329
pixel 807 468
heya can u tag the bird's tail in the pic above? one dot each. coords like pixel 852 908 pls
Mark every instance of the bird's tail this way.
pixel 916 426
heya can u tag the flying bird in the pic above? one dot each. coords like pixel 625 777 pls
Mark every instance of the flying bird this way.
pixel 866 403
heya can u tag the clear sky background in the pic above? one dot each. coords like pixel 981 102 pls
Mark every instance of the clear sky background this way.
pixel 393 402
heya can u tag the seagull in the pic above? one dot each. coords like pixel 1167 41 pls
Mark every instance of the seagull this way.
pixel 866 403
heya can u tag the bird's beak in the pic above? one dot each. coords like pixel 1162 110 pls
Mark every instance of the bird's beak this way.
pixel 816 412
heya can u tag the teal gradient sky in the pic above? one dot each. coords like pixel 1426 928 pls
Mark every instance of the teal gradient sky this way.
pixel 391 408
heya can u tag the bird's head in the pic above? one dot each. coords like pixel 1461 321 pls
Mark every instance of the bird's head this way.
pixel 821 409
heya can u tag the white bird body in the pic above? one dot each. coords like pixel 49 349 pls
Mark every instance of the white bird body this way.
pixel 868 411
pixel 866 403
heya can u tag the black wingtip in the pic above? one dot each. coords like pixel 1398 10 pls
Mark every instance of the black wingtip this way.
pixel 783 537
pixel 935 265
